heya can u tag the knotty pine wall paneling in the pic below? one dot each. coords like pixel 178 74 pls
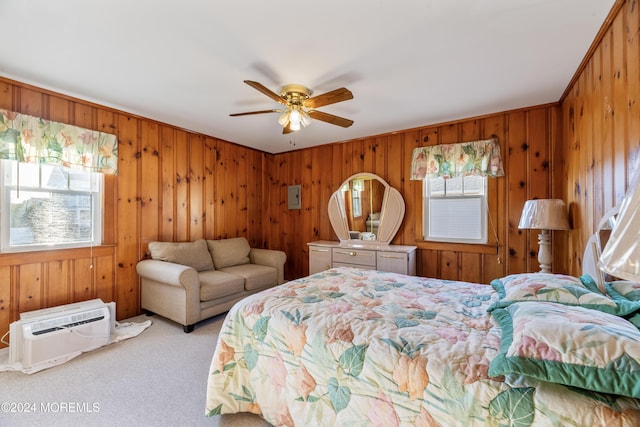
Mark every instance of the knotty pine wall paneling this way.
pixel 150 187
pixel 469 263
pixel 172 185
pixel 601 126
pixel 196 179
pixel 492 264
pixel 516 180
pixel 632 62
pixel 405 143
pixel 526 136
pixel 181 187
pixel 167 205
pixel 127 218
pixel 58 285
pixel 7 289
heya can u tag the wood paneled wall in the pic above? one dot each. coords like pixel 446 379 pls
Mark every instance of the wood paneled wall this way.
pixel 528 139
pixel 172 185
pixel 601 116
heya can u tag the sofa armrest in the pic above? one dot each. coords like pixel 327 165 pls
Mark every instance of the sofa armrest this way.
pixel 171 290
pixel 170 273
pixel 270 257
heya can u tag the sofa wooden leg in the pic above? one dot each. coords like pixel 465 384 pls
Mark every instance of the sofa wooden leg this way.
pixel 187 328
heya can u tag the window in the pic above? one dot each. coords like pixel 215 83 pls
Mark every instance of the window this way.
pixel 48 207
pixel 358 188
pixel 455 209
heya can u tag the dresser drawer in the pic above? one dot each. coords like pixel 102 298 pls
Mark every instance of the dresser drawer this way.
pixel 319 259
pixel 361 266
pixel 354 256
pixel 395 262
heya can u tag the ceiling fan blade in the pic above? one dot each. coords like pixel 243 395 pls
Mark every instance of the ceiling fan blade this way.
pixel 286 129
pixel 330 118
pixel 255 112
pixel 271 94
pixel 338 95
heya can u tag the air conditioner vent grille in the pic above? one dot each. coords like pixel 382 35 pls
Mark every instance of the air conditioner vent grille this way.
pixel 51 325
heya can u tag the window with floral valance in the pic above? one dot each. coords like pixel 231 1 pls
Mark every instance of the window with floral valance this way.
pixel 462 159
pixel 32 139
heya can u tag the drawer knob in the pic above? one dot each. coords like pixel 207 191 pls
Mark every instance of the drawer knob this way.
pixel 353 253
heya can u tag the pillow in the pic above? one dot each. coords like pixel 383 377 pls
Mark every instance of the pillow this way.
pixel 193 254
pixel 557 288
pixel 568 345
pixel 630 291
pixel 622 288
pixel 625 294
pixel 229 252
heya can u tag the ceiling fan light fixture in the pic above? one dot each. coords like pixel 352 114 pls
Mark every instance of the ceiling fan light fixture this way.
pixel 305 119
pixel 284 118
pixel 294 126
pixel 295 117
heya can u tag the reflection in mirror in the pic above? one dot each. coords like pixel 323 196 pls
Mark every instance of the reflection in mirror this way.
pixel 363 198
pixel 366 208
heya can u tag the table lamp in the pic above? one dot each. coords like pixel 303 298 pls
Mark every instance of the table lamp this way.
pixel 544 215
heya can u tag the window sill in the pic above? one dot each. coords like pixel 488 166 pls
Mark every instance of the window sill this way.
pixel 479 248
pixel 17 258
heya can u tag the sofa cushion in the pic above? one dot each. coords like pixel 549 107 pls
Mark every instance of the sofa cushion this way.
pixel 229 252
pixel 216 284
pixel 255 276
pixel 194 254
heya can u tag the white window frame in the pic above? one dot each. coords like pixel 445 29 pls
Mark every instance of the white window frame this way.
pixel 97 184
pixel 444 212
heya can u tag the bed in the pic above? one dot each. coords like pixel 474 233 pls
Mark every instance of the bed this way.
pixel 357 347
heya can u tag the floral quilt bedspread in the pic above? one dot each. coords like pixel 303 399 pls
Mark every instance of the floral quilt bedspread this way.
pixel 350 347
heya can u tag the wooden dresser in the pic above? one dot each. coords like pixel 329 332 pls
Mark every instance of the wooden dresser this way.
pixel 325 254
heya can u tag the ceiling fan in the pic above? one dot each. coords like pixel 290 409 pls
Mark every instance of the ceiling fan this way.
pixel 300 106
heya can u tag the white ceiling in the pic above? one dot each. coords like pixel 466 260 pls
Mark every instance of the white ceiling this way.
pixel 409 63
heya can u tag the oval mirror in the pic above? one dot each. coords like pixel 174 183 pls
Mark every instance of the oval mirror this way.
pixel 367 209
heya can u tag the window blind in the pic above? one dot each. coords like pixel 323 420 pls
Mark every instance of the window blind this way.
pixel 453 219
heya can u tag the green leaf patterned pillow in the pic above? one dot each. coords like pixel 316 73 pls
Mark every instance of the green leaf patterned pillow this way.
pixel 557 288
pixel 623 288
pixel 569 345
pixel 626 294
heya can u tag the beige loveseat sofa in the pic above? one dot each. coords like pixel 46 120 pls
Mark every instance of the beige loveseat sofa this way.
pixel 190 281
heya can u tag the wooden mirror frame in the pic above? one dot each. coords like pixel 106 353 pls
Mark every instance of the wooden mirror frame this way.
pixel 391 212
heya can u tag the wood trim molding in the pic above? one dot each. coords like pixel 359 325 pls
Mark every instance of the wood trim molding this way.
pixel 488 248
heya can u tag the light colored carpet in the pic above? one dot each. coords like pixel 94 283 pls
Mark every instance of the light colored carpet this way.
pixel 158 378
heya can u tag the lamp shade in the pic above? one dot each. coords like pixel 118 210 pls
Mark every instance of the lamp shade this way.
pixel 544 214
pixel 621 255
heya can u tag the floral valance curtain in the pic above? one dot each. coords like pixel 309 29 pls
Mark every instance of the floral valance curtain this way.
pixel 451 160
pixel 34 140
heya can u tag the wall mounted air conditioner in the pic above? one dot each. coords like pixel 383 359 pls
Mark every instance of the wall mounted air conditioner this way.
pixel 51 336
